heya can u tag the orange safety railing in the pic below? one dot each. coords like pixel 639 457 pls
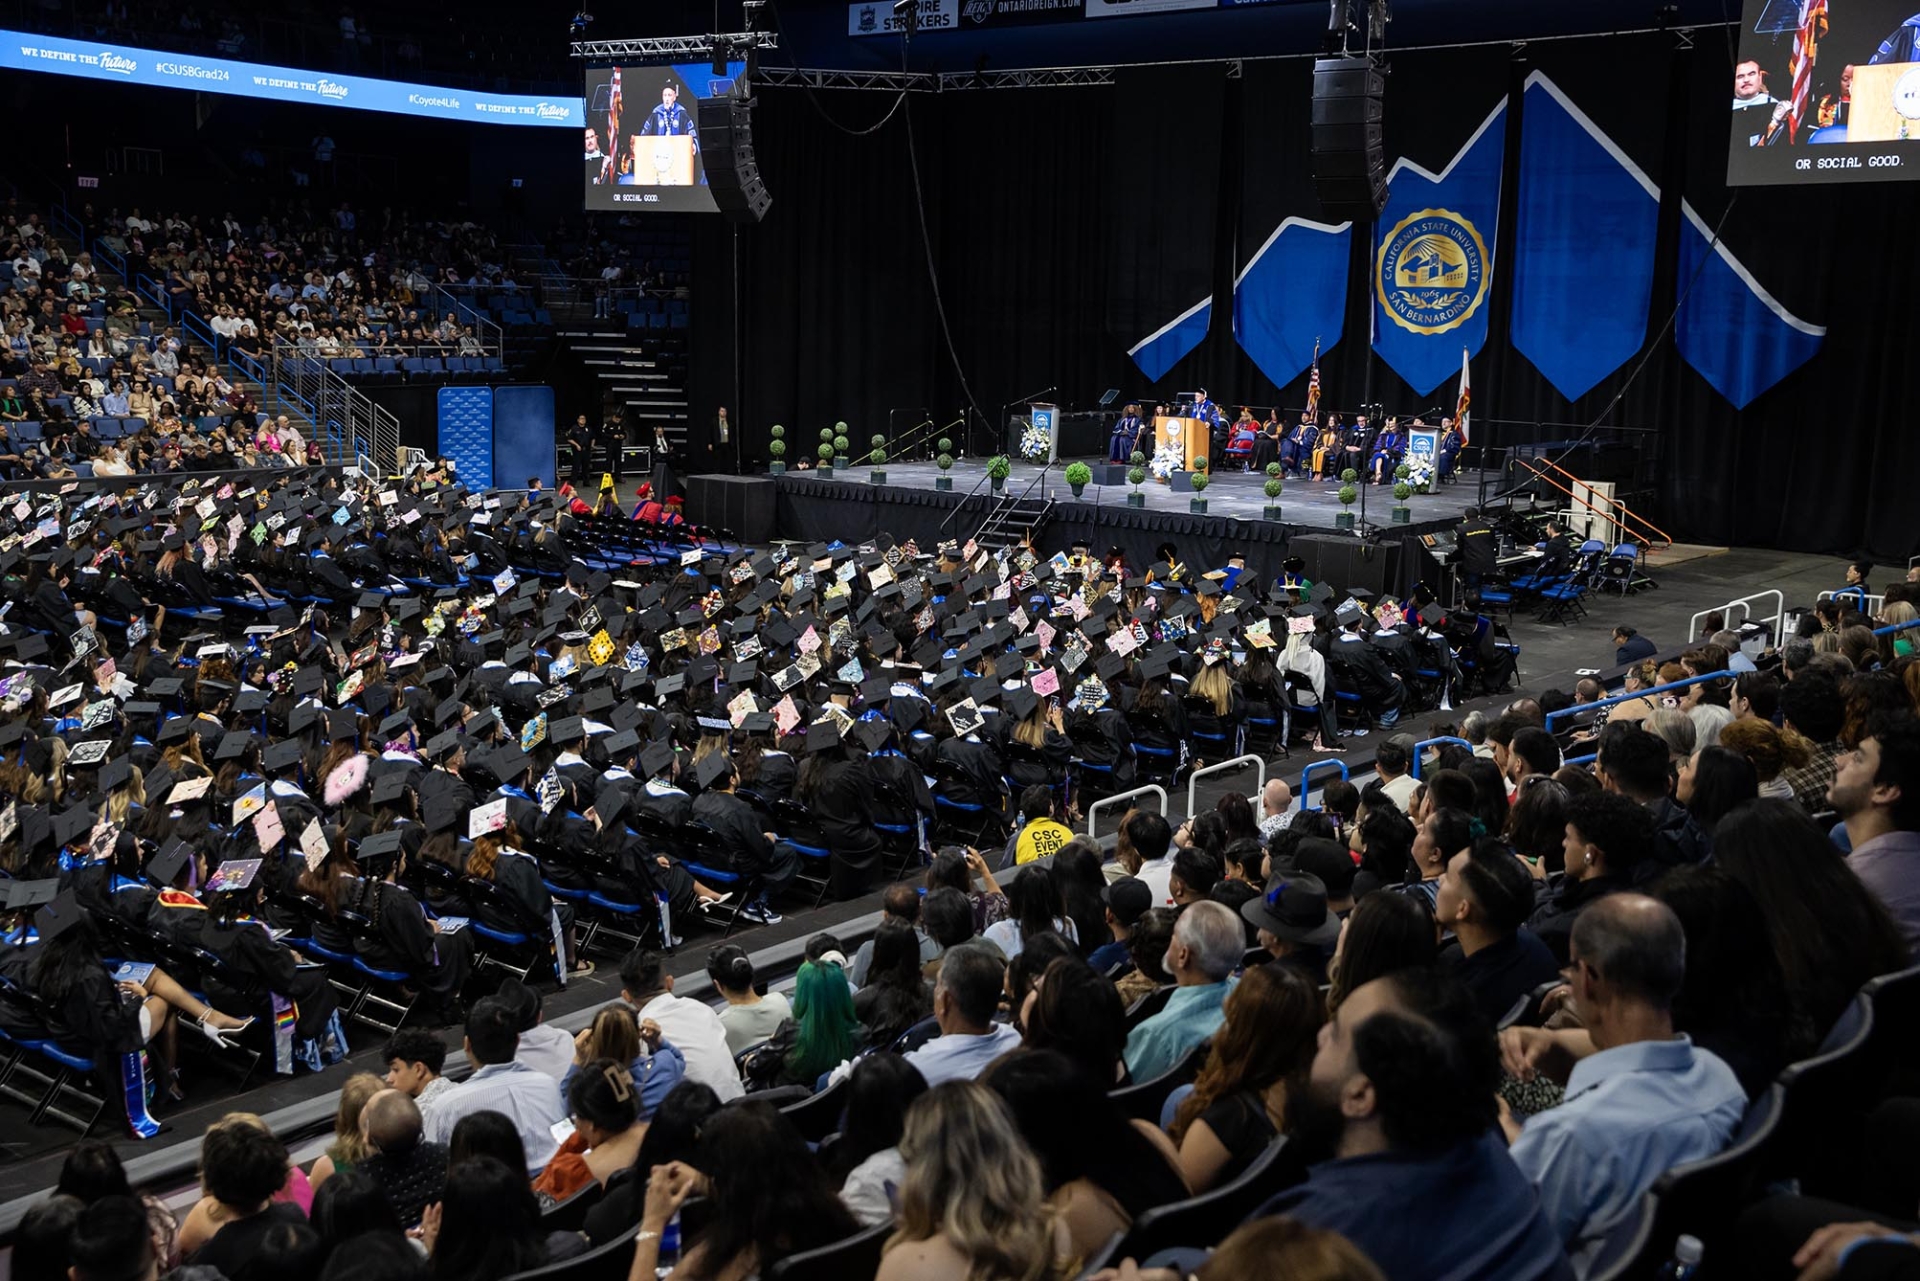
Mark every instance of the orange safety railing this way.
pixel 1636 528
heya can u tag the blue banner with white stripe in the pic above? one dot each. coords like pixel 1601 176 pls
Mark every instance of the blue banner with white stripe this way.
pixel 1433 258
pixel 1160 350
pixel 1584 247
pixel 1291 296
pixel 1730 329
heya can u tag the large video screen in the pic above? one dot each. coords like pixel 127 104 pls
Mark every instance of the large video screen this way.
pixel 1826 91
pixel 643 137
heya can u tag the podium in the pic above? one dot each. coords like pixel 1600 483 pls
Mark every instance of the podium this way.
pixel 1885 98
pixel 1191 435
pixel 660 160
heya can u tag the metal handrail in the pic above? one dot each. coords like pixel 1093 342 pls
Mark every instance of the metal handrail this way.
pixel 1008 501
pixel 964 500
pixel 1582 709
pixel 1869 605
pixel 492 341
pixel 1308 773
pixel 1106 801
pixel 1891 628
pixel 1624 516
pixel 917 435
pixel 1746 612
pixel 1425 743
pixel 1193 779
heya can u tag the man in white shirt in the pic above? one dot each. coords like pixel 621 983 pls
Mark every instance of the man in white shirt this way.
pixel 547 1050
pixel 529 1099
pixel 1391 761
pixel 1151 841
pixel 693 1028
pixel 972 977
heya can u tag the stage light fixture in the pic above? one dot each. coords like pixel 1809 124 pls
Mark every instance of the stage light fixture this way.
pixel 581 21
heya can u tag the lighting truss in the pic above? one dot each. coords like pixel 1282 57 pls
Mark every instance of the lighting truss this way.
pixel 672 48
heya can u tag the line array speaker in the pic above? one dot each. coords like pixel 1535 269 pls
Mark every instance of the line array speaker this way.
pixel 726 145
pixel 1349 167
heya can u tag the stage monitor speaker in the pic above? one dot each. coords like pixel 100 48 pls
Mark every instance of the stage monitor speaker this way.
pixel 726 146
pixel 1349 164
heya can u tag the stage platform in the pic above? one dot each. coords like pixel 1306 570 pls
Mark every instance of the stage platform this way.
pixel 818 506
pixel 1304 504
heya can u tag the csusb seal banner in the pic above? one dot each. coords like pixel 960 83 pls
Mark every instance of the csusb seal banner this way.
pixel 1433 258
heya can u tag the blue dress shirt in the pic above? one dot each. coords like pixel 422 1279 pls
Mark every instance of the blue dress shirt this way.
pixel 1191 1015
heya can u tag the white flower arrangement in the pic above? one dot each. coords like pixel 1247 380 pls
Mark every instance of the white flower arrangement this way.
pixel 1035 442
pixel 1167 460
pixel 1420 474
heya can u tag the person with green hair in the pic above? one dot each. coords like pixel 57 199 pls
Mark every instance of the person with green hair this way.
pixel 826 1033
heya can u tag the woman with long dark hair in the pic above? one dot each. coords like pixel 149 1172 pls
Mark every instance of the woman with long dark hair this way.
pixel 1828 930
pixel 1077 1011
pixel 1034 907
pixel 1714 780
pixel 1385 933
pixel 867 1154
pixel 896 995
pixel 487 1225
pixel 1239 1103
pixel 1076 872
pixel 1099 1170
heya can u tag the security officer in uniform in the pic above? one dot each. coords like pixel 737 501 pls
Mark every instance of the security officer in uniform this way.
pixel 1476 554
pixel 613 438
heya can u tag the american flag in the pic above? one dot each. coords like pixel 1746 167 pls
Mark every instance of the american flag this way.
pixel 1313 383
pixel 1806 47
pixel 1466 398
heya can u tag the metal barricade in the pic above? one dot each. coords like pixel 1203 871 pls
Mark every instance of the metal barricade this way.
pixel 1193 780
pixel 1105 801
pixel 1425 743
pixel 1745 606
pixel 1308 773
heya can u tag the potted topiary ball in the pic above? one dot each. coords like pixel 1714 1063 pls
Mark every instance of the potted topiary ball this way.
pixel 777 447
pixel 1347 494
pixel 826 454
pixel 1137 476
pixel 944 482
pixel 1273 487
pixel 999 467
pixel 1079 475
pixel 879 459
pixel 1401 492
pixel 1198 503
pixel 840 447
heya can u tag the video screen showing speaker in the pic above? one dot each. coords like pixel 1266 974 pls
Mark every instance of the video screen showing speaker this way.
pixel 1826 91
pixel 643 145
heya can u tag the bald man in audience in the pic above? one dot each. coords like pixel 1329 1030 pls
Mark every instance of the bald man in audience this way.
pixel 411 1172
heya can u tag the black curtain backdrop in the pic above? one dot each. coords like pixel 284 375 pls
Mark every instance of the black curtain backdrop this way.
pixel 837 316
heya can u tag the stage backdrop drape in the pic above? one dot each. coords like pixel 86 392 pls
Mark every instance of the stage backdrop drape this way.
pixel 1772 405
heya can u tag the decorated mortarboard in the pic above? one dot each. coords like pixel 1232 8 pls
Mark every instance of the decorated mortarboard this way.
pixel 234 875
pixel 89 753
pixel 378 846
pixel 282 755
pixel 188 790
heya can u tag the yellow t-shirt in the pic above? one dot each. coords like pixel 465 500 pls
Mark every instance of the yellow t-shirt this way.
pixel 1041 838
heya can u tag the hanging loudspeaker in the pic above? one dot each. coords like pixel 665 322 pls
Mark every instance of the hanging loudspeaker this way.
pixel 1349 168
pixel 726 148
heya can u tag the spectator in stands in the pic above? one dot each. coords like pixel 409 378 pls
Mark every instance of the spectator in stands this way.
pixel 544 1048
pixel 1401 1098
pixel 1126 901
pixel 1633 763
pixel 896 995
pixel 1147 946
pixel 349 1146
pixel 1383 841
pixel 1532 751
pixel 748 1017
pixel 974 1202
pixel 1035 907
pixel 1100 1171
pixel 1729 1002
pixel 955 867
pixel 1640 1100
pixel 607 1129
pixel 1258 1057
pixel 487 1226
pixel 1485 898
pixel 769 1197
pixel 1810 705
pixel 501 1084
pixel 109 1242
pixel 1276 807
pixel 1207 945
pixel 1608 840
pixel 964 1000
pixel 43 1249
pixel 1712 781
pixel 241 1168
pixel 691 1026
pixel 1148 840
pixel 1876 789
pixel 949 919
pixel 1829 931
pixel 1076 1010
pixel 882 1088
pixel 1384 933
pixel 409 1171
pixel 1392 762
pixel 414 1057
pixel 900 904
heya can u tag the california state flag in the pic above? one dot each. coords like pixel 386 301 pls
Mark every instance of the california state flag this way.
pixel 1466 398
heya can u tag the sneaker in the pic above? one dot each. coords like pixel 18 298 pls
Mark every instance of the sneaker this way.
pixel 760 911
